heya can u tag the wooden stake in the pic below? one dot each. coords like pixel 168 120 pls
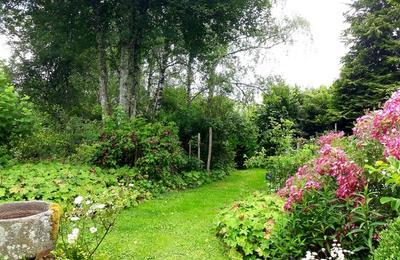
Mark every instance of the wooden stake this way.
pixel 209 149
pixel 190 148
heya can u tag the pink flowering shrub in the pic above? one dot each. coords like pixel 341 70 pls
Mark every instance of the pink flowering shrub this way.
pixel 364 127
pixel 382 125
pixel 331 163
pixel 330 137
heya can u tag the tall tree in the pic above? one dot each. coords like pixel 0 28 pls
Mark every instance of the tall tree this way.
pixel 371 69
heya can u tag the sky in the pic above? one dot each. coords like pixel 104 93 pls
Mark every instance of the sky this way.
pixel 310 61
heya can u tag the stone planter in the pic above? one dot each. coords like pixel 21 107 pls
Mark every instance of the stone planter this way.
pixel 28 229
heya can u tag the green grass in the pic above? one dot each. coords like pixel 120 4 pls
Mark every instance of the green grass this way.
pixel 180 225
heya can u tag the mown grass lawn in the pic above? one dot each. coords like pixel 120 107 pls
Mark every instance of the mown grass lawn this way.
pixel 180 225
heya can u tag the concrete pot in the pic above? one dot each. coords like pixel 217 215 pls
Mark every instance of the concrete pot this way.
pixel 28 229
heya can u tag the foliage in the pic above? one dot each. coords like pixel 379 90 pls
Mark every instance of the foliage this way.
pixel 389 242
pixel 153 147
pixel 248 225
pixel 259 160
pixel 317 113
pixel 314 222
pixel 63 182
pixel 16 117
pixel 234 135
pixel 54 138
pixel 281 167
pixel 370 71
pixel 57 182
pixel 366 221
pixel 310 111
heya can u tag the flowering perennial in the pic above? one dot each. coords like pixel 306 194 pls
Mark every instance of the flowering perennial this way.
pixel 330 137
pixel 383 125
pixel 332 161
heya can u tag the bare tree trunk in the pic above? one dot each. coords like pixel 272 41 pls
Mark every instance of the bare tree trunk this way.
pixel 103 75
pixel 210 139
pixel 124 90
pixel 163 64
pixel 189 79
pixel 198 146
pixel 190 148
pixel 211 89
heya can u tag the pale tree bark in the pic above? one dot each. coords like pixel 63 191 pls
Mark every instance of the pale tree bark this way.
pixel 135 73
pixel 211 87
pixel 124 96
pixel 189 79
pixel 163 65
pixel 103 75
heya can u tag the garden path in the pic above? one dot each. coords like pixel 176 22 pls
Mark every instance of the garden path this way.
pixel 180 225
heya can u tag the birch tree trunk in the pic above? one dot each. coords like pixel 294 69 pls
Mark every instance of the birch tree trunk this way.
pixel 124 90
pixel 103 75
pixel 189 79
pixel 163 64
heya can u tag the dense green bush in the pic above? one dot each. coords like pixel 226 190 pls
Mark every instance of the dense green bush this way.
pixel 258 160
pixel 281 167
pixel 389 243
pixel 247 227
pixel 16 117
pixel 153 147
pixel 53 139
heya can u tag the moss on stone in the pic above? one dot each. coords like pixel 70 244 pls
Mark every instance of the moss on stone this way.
pixel 55 220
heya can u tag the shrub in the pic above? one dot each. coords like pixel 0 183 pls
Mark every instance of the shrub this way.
pixel 259 160
pixel 389 243
pixel 54 140
pixel 16 117
pixel 153 147
pixel 333 162
pixel 248 225
pixel 382 125
pixel 281 167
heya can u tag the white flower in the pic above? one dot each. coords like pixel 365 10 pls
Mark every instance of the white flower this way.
pixel 71 238
pixel 93 230
pixel 97 206
pixel 78 200
pixel 130 185
pixel 88 202
pixel 74 218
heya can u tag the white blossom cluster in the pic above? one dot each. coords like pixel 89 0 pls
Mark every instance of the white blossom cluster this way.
pixel 336 253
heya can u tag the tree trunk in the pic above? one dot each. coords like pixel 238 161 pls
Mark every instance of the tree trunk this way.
pixel 161 83
pixel 124 90
pixel 209 149
pixel 211 89
pixel 189 79
pixel 198 146
pixel 103 75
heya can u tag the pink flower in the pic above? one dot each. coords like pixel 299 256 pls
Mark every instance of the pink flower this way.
pixel 330 137
pixel 383 126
